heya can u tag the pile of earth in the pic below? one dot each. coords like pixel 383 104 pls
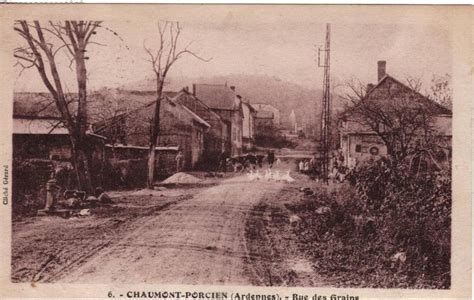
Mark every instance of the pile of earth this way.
pixel 181 178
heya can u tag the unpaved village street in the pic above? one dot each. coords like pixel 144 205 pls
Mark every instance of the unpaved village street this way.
pixel 224 231
pixel 199 241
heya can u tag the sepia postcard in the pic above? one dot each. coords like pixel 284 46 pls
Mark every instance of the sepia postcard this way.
pixel 289 152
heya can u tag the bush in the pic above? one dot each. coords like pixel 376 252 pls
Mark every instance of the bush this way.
pixel 414 214
pixel 388 212
pixel 29 185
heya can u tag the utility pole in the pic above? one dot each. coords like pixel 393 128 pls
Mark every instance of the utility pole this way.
pixel 325 138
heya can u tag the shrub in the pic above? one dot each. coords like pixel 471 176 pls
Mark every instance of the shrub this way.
pixel 414 214
pixel 388 210
pixel 28 184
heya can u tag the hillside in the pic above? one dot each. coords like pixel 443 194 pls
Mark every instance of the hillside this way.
pixel 286 96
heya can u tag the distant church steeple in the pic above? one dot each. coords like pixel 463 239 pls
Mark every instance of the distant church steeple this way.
pixel 294 124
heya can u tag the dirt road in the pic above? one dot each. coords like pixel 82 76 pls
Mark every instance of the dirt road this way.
pixel 197 241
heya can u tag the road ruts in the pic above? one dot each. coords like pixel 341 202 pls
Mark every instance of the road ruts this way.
pixel 198 241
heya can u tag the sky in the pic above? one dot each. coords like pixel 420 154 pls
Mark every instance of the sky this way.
pixel 283 50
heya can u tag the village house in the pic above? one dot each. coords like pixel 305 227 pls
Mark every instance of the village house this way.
pixel 216 137
pixel 359 143
pixel 248 129
pixel 269 108
pixel 38 132
pixel 181 130
pixel 264 124
pixel 225 102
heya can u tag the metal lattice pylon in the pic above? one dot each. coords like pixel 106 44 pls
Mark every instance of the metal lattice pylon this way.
pixel 325 138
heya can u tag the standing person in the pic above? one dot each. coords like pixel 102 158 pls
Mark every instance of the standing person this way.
pixel 223 162
pixel 306 167
pixel 312 163
pixel 260 160
pixel 179 161
pixel 270 158
pixel 301 166
pixel 278 162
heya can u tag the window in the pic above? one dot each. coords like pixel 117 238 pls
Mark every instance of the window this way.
pixel 374 150
pixel 359 148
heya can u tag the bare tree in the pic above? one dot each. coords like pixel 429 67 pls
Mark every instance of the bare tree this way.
pixel 43 44
pixel 440 90
pixel 399 116
pixel 119 119
pixel 414 83
pixel 162 59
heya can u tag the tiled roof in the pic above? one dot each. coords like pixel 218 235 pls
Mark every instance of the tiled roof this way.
pixel 194 116
pixel 216 96
pixel 34 105
pixel 182 97
pixel 263 114
pixel 264 106
pixel 251 108
pixel 41 105
pixel 435 107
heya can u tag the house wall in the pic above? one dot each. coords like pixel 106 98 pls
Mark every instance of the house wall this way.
pixel 357 138
pixel 247 127
pixel 234 122
pixel 263 126
pixel 197 145
pixel 165 164
pixel 443 125
pixel 37 126
pixel 177 128
pixel 237 125
pixel 215 137
pixel 274 110
pixel 357 148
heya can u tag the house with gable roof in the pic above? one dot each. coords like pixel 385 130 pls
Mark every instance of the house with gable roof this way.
pixel 359 142
pixel 39 133
pixel 264 122
pixel 216 137
pixel 181 130
pixel 269 108
pixel 223 100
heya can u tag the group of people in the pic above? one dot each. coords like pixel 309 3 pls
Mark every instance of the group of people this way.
pixel 308 166
pixel 250 161
pixel 337 169
pixel 303 166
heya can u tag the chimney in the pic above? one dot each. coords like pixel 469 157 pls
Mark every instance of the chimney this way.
pixel 194 89
pixel 381 66
pixel 186 89
pixel 369 86
pixel 232 88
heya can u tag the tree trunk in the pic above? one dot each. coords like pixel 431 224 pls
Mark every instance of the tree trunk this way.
pixel 84 171
pixel 151 166
pixel 82 166
pixel 154 133
pixel 81 145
